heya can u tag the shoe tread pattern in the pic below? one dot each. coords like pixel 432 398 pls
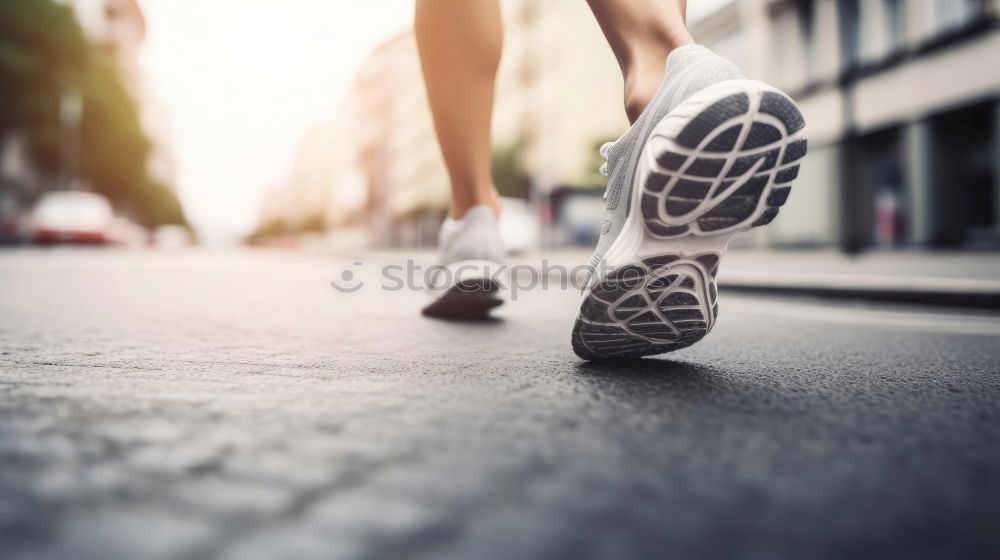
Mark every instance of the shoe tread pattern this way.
pixel 661 304
pixel 751 140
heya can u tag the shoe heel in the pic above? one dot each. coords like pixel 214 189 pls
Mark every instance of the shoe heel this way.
pixel 728 169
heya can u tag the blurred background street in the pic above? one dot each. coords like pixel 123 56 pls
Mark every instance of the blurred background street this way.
pixel 307 123
pixel 180 185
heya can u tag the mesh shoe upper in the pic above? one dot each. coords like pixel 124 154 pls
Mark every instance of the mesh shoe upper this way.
pixel 689 69
pixel 474 237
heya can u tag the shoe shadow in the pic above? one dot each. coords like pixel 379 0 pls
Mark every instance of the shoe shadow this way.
pixel 485 321
pixel 642 367
pixel 655 376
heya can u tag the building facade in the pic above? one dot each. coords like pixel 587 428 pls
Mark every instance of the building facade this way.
pixel 901 104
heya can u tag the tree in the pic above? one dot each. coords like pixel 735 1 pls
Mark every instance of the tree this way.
pixel 44 53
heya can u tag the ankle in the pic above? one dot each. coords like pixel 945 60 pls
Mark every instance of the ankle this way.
pixel 641 84
pixel 643 74
pixel 489 198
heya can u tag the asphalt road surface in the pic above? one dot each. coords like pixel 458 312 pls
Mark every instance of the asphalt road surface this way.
pixel 233 405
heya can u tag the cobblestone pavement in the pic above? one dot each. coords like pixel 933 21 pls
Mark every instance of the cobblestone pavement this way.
pixel 232 405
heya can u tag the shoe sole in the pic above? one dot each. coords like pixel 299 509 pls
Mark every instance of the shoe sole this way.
pixel 470 294
pixel 693 191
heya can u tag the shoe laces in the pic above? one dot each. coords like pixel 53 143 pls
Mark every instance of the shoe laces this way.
pixel 603 169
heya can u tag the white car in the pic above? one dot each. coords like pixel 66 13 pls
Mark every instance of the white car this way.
pixel 72 217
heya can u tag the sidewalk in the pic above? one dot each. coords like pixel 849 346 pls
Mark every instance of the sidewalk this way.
pixel 964 279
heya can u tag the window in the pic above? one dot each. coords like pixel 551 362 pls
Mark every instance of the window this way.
pixel 963 144
pixel 895 12
pixel 880 173
pixel 952 15
pixel 850 27
pixel 804 10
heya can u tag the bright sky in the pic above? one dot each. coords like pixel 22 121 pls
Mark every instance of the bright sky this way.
pixel 243 80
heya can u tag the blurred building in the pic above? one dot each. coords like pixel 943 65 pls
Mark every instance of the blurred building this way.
pixel 373 167
pixel 407 183
pixel 900 97
pixel 559 92
pixel 381 141
pixel 120 27
pixel 901 104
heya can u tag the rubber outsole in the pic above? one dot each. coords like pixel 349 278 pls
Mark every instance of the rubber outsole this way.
pixel 467 300
pixel 725 168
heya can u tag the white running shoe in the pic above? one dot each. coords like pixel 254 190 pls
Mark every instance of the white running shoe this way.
pixel 468 284
pixel 712 155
